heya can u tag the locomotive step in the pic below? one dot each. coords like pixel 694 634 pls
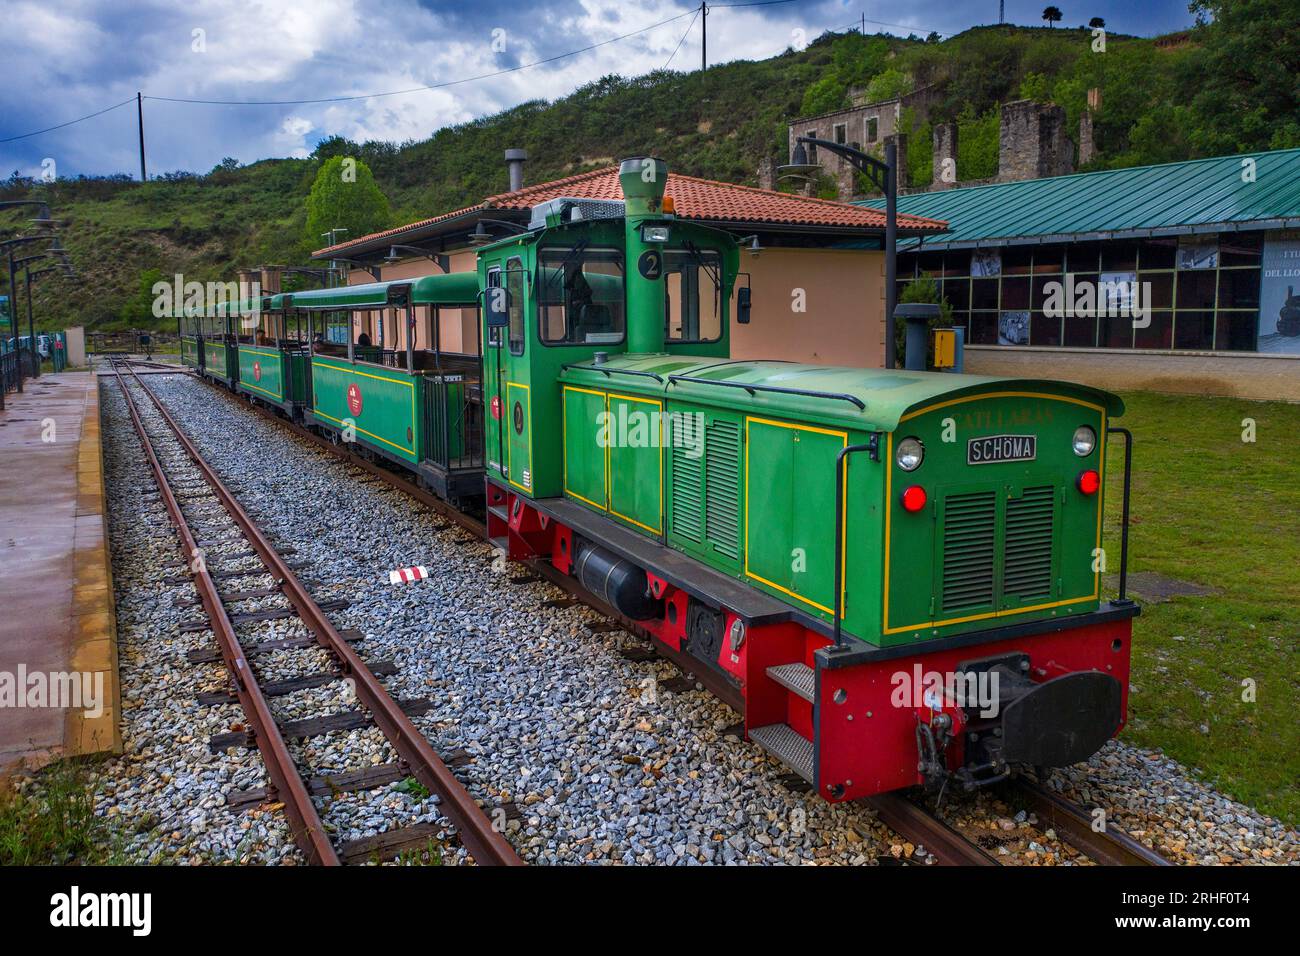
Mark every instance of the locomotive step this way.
pixel 797 678
pixel 785 744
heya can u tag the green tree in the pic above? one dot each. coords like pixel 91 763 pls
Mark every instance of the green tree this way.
pixel 1097 23
pixel 137 311
pixel 1035 87
pixel 1052 15
pixel 888 85
pixel 825 96
pixel 344 196
pixel 1244 76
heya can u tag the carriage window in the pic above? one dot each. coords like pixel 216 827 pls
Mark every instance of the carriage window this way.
pixel 515 286
pixel 693 311
pixel 580 293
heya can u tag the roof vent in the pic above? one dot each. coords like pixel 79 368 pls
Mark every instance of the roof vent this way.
pixel 556 212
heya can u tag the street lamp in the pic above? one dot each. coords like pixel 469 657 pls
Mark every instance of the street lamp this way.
pixel 884 177
pixel 438 259
pixel 481 237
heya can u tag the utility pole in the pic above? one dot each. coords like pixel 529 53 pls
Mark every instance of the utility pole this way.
pixel 1002 11
pixel 139 113
pixel 704 36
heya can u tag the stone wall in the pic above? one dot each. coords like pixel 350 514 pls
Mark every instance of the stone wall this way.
pixel 1032 142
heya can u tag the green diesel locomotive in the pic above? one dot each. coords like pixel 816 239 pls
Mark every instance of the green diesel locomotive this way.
pixel 862 557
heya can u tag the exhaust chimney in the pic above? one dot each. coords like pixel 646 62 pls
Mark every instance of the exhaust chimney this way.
pixel 515 163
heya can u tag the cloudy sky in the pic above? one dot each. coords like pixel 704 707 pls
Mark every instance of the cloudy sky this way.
pixel 64 59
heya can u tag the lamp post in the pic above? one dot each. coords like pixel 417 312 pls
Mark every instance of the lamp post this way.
pixel 45 224
pixel 885 178
pixel 9 245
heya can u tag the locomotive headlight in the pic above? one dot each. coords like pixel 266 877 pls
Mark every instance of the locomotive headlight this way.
pixel 1084 441
pixel 737 634
pixel 654 233
pixel 910 454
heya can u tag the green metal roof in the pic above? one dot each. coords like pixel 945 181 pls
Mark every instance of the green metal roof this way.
pixel 867 399
pixel 457 288
pixel 1201 195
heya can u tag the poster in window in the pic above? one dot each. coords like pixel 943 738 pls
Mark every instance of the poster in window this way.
pixel 1013 328
pixel 986 263
pixel 1115 293
pixel 1198 253
pixel 1279 294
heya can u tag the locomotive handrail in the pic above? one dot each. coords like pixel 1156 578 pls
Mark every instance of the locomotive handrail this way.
pixel 752 388
pixel 841 467
pixel 608 371
pixel 1123 532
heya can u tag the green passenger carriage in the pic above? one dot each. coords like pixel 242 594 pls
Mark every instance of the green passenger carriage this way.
pixel 418 406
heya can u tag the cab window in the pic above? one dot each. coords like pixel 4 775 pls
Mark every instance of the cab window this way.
pixel 515 286
pixel 580 296
pixel 693 306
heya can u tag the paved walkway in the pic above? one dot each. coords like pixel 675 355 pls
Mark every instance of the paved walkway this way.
pixel 56 589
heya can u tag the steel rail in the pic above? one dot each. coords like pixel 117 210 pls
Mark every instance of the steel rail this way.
pixel 921 827
pixel 304 821
pixel 1110 847
pixel 483 842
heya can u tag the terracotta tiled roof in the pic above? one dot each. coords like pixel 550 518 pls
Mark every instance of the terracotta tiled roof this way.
pixel 694 198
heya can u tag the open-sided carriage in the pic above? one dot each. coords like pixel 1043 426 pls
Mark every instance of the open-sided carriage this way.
pixel 382 373
pixel 275 358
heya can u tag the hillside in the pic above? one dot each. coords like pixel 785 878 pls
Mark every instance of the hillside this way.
pixel 1158 106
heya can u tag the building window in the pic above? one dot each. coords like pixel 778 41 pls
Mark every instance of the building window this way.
pixel 1201 293
pixel 873 129
pixel 812 147
pixel 841 133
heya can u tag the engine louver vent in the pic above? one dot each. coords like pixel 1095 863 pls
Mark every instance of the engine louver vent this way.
pixel 688 481
pixel 969 549
pixel 1027 561
pixel 722 492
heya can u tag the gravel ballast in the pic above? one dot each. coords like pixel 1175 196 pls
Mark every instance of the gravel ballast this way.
pixel 581 753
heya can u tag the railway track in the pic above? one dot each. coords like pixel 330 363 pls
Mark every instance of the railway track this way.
pixel 292 785
pixel 909 819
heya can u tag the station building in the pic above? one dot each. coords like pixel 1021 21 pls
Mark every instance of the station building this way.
pixel 1213 244
pixel 816 267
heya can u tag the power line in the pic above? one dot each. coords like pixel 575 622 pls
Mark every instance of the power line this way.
pixel 437 86
pixel 684 35
pixel 50 129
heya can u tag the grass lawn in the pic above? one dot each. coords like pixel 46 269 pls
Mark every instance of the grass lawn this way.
pixel 1211 509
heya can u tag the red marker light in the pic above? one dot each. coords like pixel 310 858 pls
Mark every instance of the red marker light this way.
pixel 1088 482
pixel 914 498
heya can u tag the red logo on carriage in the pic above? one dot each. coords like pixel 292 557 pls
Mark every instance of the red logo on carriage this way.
pixel 354 399
pixel 496 407
pixel 257 371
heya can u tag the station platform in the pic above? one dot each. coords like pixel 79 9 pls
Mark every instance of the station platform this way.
pixel 57 617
